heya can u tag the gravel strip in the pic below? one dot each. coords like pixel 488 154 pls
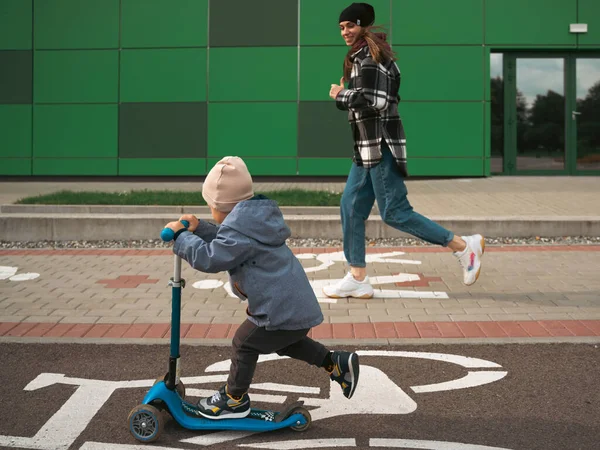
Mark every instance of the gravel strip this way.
pixel 390 242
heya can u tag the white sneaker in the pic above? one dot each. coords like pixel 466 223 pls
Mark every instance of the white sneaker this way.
pixel 349 287
pixel 470 258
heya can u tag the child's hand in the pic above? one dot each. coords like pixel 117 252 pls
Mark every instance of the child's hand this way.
pixel 175 226
pixel 192 220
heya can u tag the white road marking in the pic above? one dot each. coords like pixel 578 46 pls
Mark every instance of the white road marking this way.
pixel 472 379
pixel 428 445
pixel 304 443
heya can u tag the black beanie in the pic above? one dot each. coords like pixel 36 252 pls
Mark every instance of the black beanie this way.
pixel 361 14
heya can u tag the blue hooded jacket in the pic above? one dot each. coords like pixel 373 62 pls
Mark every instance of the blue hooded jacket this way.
pixel 250 246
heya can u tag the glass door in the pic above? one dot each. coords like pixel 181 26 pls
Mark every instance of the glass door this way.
pixel 586 116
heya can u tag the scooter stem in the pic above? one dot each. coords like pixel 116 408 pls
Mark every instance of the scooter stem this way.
pixel 176 283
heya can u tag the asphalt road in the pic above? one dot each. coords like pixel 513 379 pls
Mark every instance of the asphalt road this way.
pixel 517 397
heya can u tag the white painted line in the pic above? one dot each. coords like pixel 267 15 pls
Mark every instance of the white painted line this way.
pixel 215 438
pixel 223 366
pixel 207 284
pixel 465 361
pixel 428 445
pixel 304 443
pixel 472 379
pixel 253 397
pixel 7 272
pixel 103 446
pixel 24 276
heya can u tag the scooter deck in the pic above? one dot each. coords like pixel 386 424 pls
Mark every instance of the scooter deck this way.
pixel 184 413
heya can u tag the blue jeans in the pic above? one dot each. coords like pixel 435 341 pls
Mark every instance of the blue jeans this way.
pixel 385 184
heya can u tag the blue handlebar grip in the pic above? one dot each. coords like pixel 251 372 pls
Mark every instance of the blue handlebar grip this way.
pixel 167 234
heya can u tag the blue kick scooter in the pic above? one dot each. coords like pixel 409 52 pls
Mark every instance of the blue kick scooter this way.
pixel 146 421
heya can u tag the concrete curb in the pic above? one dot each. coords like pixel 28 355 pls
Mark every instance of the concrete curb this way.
pixel 136 226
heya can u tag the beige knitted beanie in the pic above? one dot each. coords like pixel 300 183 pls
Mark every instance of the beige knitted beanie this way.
pixel 227 184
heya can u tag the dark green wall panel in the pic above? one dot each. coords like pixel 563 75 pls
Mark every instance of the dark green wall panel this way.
pixel 437 22
pixel 163 75
pixel 162 130
pixel 319 20
pixel 75 131
pixel 447 130
pixel 534 22
pixel 162 166
pixel 76 24
pixel 446 167
pixel 15 76
pixel 72 166
pixel 324 131
pixel 15 131
pixel 324 166
pixel 264 129
pixel 265 166
pixel 76 76
pixel 15 24
pixel 441 73
pixel 163 23
pixel 253 74
pixel 256 23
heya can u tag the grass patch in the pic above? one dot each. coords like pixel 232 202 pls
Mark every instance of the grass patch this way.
pixel 294 197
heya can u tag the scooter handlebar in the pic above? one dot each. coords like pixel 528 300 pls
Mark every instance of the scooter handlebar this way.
pixel 167 234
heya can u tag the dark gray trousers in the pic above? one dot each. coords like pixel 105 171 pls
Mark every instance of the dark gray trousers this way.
pixel 250 341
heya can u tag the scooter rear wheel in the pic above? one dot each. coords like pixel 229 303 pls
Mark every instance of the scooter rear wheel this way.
pixel 304 412
pixel 145 423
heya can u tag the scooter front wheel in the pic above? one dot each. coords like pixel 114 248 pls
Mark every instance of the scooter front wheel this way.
pixel 145 423
pixel 304 412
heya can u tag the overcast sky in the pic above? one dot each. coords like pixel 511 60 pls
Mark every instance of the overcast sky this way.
pixel 538 75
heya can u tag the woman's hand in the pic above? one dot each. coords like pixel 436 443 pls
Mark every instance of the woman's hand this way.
pixel 335 89
pixel 192 220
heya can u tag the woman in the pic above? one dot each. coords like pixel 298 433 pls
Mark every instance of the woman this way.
pixel 379 162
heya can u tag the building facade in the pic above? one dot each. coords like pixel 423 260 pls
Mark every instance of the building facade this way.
pixel 168 87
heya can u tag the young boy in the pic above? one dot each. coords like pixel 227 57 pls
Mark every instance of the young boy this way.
pixel 250 245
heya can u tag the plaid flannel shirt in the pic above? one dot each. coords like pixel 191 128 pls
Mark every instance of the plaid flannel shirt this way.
pixel 372 104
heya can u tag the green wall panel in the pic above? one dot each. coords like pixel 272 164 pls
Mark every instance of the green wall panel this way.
pixel 76 76
pixel 15 76
pixel 324 131
pixel 253 74
pixel 324 166
pixel 75 166
pixel 319 20
pixel 75 131
pixel 589 12
pixel 320 67
pixel 265 166
pixel 159 166
pixel 76 24
pixel 165 75
pixel 162 130
pixel 437 22
pixel 446 130
pixel 441 73
pixel 279 138
pixel 15 24
pixel 534 22
pixel 446 167
pixel 256 23
pixel 15 166
pixel 15 131
pixel 163 23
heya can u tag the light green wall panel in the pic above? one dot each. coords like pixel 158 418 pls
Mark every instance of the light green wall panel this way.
pixel 324 166
pixel 15 24
pixel 165 75
pixel 75 131
pixel 75 166
pixel 437 22
pixel 160 166
pixel 163 23
pixel 15 166
pixel 440 73
pixel 15 131
pixel 76 24
pixel 265 166
pixel 76 76
pixel 446 167
pixel 320 67
pixel 534 22
pixel 445 130
pixel 319 20
pixel 268 129
pixel 589 12
pixel 253 74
